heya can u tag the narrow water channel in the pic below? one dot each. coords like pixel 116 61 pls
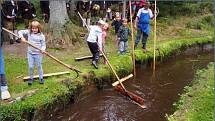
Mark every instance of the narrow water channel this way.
pixel 159 93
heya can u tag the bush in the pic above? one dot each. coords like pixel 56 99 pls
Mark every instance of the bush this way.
pixel 205 22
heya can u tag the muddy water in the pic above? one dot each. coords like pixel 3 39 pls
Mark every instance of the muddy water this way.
pixel 159 93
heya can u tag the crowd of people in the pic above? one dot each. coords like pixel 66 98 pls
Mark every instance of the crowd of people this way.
pixel 96 39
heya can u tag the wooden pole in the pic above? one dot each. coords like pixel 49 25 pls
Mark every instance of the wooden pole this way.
pixel 47 75
pixel 113 70
pixel 154 60
pixel 46 53
pixel 135 98
pixel 132 39
pixel 105 57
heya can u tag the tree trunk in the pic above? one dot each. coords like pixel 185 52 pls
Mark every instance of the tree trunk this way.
pixel 124 9
pixel 58 17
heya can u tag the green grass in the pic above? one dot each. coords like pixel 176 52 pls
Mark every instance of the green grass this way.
pixel 197 104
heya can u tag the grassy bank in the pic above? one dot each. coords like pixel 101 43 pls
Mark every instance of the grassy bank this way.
pixel 197 103
pixel 64 89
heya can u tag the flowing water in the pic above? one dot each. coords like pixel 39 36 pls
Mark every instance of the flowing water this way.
pixel 159 93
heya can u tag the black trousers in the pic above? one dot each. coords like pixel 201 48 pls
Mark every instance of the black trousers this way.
pixel 94 49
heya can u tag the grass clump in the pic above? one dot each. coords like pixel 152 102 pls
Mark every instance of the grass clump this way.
pixel 197 104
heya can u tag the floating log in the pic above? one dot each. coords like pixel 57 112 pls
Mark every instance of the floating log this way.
pixel 47 75
pixel 135 98
pixel 122 80
pixel 85 57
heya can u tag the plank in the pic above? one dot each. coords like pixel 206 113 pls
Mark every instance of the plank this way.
pixel 122 80
pixel 47 75
pixel 85 57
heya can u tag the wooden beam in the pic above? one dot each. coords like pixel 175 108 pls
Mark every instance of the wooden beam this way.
pixel 47 75
pixel 122 80
pixel 85 57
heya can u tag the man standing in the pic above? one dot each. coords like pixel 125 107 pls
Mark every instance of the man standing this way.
pixel 143 24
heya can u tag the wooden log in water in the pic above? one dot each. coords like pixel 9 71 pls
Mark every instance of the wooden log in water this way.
pixel 135 98
pixel 47 75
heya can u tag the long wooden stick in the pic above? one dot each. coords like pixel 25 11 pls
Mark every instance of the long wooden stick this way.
pixel 154 38
pixel 83 21
pixel 47 75
pixel 132 39
pixel 105 57
pixel 121 88
pixel 46 53
pixel 112 69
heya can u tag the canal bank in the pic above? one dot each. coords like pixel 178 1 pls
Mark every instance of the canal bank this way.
pixel 197 101
pixel 69 90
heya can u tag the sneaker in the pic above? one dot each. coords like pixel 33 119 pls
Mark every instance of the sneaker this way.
pixel 41 81
pixel 94 64
pixel 30 81
pixel 5 93
pixel 18 40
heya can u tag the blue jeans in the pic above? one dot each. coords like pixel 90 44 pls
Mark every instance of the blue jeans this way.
pixel 35 58
pixel 123 45
pixel 144 38
pixel 3 81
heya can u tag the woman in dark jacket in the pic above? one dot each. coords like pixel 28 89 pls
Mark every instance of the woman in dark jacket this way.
pixel 28 11
pixel 9 11
pixel 44 5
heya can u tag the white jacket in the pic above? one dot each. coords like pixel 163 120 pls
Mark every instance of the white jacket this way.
pixel 95 35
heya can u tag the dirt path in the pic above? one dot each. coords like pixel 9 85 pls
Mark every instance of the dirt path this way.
pixel 16 49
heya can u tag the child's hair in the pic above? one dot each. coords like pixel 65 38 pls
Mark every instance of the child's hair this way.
pixel 100 23
pixel 106 26
pixel 35 24
pixel 125 20
pixel 117 14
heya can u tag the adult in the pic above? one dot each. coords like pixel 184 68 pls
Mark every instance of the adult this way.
pixel 9 12
pixel 4 88
pixel 44 6
pixel 28 11
pixel 143 24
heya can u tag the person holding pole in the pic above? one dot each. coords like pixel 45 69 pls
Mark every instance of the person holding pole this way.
pixel 143 25
pixel 94 41
pixel 37 38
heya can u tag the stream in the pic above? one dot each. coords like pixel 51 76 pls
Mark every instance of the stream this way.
pixel 171 76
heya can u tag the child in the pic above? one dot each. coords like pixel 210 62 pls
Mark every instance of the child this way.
pixel 104 34
pixel 117 22
pixel 123 37
pixel 94 41
pixel 37 38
